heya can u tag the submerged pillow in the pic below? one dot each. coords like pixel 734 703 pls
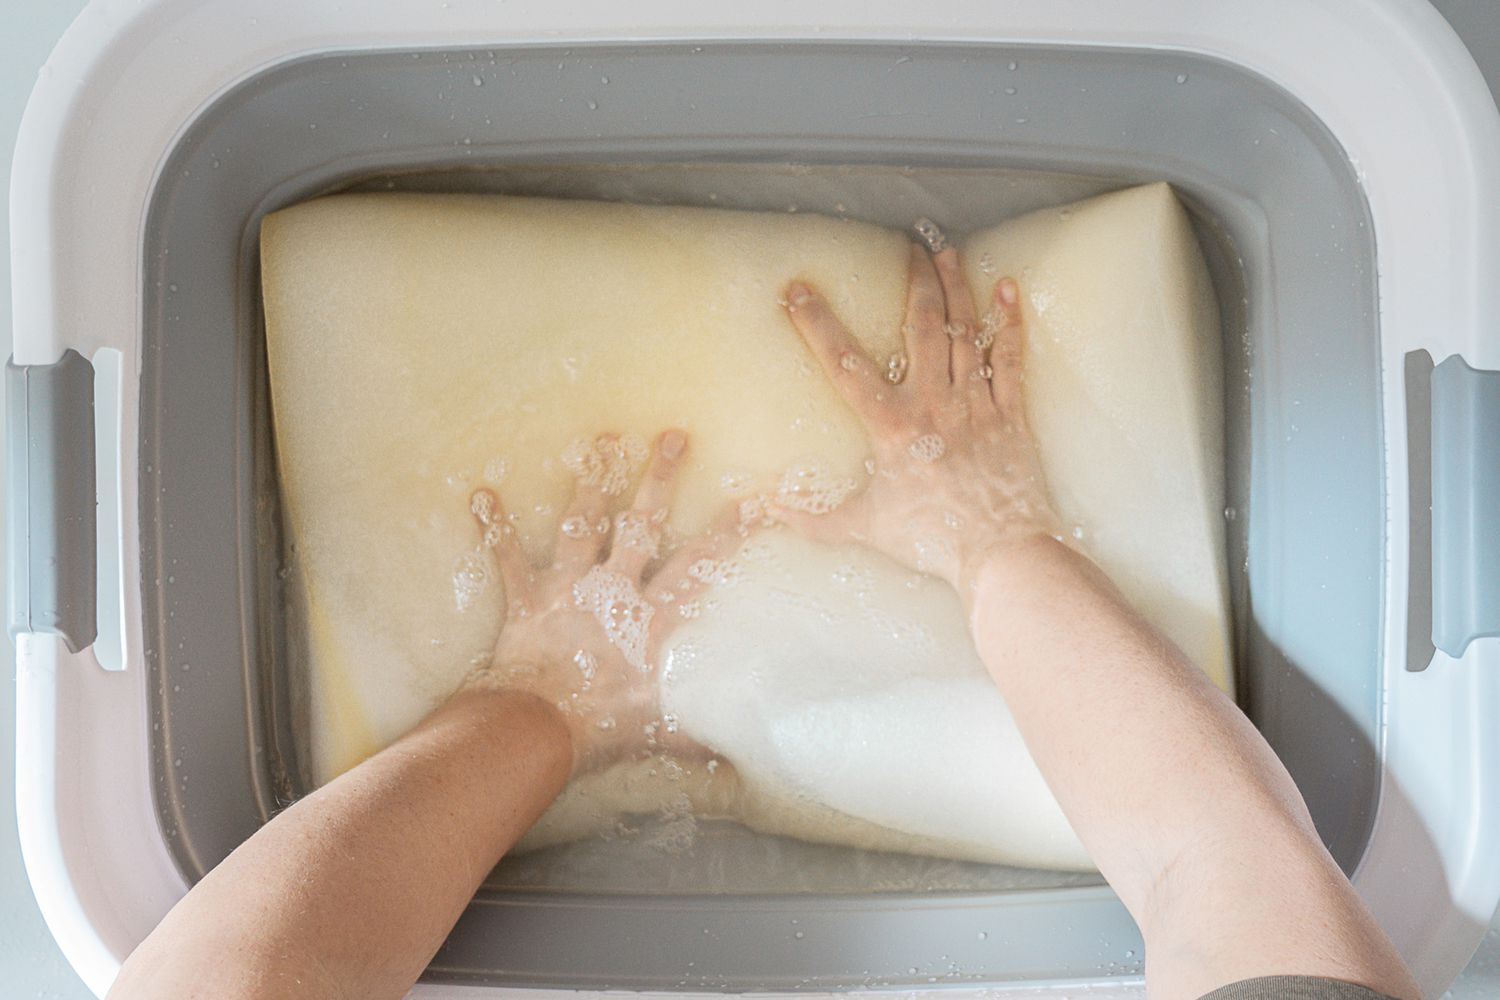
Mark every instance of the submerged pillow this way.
pixel 423 345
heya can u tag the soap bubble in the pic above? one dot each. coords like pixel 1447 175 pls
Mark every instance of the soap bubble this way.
pixel 471 575
pixel 735 481
pixel 927 448
pixel 751 509
pixel 715 572
pixel 895 368
pixel 576 527
pixel 482 506
pixel 633 531
pixel 930 235
pixel 606 462
pixel 813 489
pixel 619 609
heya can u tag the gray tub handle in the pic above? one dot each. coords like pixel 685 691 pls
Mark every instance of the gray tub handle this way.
pixel 1463 484
pixel 50 500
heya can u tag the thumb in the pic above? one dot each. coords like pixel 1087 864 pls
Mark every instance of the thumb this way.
pixel 842 524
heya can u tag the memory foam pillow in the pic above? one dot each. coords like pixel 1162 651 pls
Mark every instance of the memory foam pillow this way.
pixel 423 345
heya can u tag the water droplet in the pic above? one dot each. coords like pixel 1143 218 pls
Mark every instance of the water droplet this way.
pixel 1012 65
pixel 1182 78
pixel 1010 90
pixel 478 80
pixel 930 235
pixel 895 368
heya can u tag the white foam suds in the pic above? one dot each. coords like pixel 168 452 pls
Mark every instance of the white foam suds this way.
pixel 927 448
pixel 619 609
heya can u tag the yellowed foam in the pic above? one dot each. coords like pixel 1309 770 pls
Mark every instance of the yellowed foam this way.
pixel 421 345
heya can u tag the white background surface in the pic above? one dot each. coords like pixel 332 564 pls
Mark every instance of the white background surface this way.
pixel 30 964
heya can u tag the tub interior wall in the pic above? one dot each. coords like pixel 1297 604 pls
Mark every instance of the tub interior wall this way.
pixel 887 141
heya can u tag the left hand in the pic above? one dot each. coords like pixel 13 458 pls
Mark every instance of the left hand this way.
pixel 584 634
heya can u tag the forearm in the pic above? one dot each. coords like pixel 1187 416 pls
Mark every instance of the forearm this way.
pixel 351 891
pixel 1104 701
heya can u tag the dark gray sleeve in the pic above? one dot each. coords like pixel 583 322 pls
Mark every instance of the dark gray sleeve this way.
pixel 1294 988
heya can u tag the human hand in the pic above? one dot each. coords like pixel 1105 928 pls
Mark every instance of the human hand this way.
pixel 584 633
pixel 956 473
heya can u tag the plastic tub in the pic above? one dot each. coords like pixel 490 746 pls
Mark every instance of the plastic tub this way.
pixel 1344 193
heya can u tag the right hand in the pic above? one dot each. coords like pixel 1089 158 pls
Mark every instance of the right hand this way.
pixel 957 475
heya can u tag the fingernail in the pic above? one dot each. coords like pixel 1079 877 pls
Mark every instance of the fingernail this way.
pixel 797 293
pixel 671 444
pixel 1009 293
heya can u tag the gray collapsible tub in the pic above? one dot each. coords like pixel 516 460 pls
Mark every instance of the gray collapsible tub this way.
pixel 1324 652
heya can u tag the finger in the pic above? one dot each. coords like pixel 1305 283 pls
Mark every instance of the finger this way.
pixel 926 339
pixel 638 530
pixel 701 562
pixel 499 536
pixel 967 336
pixel 1006 321
pixel 584 527
pixel 844 523
pixel 846 364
